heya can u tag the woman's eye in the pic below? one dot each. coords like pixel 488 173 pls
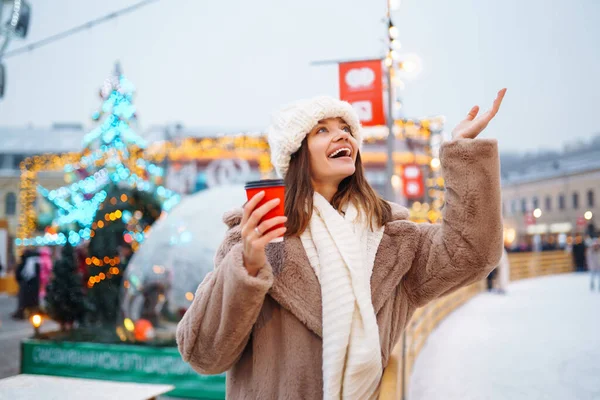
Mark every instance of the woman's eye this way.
pixel 347 129
pixel 322 130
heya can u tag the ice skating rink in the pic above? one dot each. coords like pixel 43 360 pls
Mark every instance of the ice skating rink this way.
pixel 539 341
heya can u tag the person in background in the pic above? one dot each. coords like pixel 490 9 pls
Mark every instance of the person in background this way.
pixel 593 262
pixel 579 254
pixel 497 280
pixel 490 279
pixel 45 271
pixel 82 266
pixel 503 275
pixel 125 254
pixel 28 277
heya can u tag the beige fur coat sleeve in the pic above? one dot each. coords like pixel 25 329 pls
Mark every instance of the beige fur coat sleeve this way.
pixel 224 310
pixel 466 246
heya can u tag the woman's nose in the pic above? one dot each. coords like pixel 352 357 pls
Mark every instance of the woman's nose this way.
pixel 342 135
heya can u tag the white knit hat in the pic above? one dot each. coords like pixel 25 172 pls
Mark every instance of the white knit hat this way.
pixel 292 123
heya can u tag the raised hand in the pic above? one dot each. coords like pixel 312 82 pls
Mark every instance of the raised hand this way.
pixel 473 125
pixel 254 238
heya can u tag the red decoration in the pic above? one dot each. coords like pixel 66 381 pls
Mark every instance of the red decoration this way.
pixel 412 177
pixel 361 85
pixel 143 330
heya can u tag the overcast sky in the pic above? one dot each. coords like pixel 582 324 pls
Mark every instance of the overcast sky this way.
pixel 229 64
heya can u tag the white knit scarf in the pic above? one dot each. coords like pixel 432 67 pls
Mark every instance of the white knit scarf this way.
pixel 341 250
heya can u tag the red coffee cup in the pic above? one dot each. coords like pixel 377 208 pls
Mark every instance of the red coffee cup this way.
pixel 274 189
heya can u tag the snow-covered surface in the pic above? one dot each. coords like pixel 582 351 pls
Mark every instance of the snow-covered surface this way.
pixel 539 341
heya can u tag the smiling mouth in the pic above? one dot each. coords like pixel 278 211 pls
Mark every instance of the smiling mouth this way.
pixel 339 153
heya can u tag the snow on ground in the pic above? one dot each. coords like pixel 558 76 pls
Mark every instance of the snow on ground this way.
pixel 539 341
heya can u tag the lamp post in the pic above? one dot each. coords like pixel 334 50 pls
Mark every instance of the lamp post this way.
pixel 391 139
pixel 409 64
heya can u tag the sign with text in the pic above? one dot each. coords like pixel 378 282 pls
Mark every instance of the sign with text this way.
pixel 361 85
pixel 114 362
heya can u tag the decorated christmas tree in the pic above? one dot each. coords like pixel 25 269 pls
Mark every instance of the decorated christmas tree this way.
pixel 65 299
pixel 112 197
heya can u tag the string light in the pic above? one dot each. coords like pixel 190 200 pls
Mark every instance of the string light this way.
pixel 428 130
pixel 71 200
pixel 94 261
pixel 393 30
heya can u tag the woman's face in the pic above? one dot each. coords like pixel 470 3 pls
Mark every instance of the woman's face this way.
pixel 332 151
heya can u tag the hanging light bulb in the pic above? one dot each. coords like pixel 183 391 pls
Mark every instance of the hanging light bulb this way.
pixel 397 105
pixel 398 83
pixel 396 44
pixel 394 4
pixel 388 61
pixel 396 182
pixel 393 31
pixel 409 66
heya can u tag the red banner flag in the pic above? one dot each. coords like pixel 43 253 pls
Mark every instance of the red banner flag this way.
pixel 361 85
pixel 413 182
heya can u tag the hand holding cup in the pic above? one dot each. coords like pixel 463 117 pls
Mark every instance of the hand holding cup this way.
pixel 257 233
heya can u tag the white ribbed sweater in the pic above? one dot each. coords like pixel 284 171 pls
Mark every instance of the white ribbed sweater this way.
pixel 341 250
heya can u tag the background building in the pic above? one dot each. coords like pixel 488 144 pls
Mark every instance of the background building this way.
pixel 548 198
pixel 17 144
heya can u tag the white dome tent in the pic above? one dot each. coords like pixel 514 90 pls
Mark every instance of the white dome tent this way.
pixel 176 256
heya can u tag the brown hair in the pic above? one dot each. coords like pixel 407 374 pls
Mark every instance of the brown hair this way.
pixel 299 194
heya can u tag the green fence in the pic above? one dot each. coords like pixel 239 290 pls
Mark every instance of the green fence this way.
pixel 125 363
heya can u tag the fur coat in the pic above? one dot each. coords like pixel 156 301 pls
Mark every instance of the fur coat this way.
pixel 266 331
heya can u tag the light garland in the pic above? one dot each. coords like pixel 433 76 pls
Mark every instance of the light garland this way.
pixel 94 279
pixel 114 261
pixel 430 211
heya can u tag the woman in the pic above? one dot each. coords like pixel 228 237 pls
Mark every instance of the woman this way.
pixel 317 315
pixel 501 275
pixel 45 272
pixel 593 262
pixel 28 277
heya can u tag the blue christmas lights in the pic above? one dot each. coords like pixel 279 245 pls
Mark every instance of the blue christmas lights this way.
pixel 115 126
pixel 78 202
